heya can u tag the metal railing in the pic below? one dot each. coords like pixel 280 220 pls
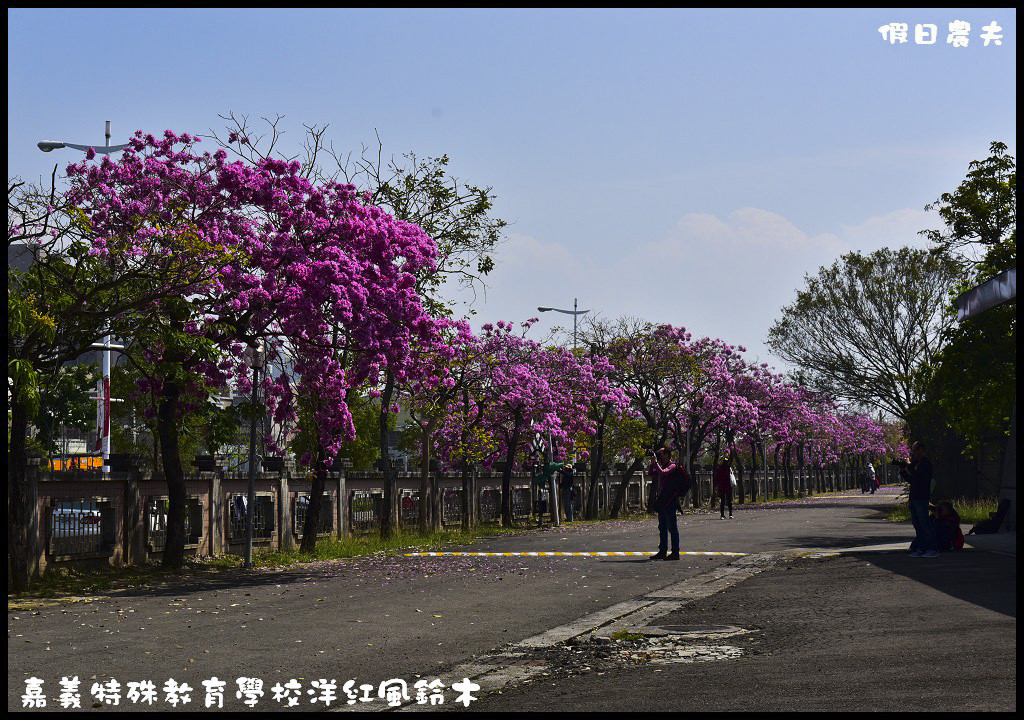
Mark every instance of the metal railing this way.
pixel 262 520
pixel 81 526
pixel 156 522
pixel 300 506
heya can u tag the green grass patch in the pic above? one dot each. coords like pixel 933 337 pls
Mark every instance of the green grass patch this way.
pixel 627 636
pixel 971 510
pixel 62 581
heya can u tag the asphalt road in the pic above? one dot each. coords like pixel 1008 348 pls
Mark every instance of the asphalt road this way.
pixel 374 619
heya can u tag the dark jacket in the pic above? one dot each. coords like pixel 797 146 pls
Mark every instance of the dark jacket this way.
pixel 722 482
pixel 567 479
pixel 919 475
pixel 674 484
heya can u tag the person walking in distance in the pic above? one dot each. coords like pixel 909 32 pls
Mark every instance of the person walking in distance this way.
pixel 723 484
pixel 672 484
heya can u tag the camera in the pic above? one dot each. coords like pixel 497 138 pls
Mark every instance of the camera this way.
pixel 899 463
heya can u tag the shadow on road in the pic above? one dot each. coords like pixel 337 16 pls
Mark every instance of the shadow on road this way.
pixel 847 541
pixel 986 579
pixel 215 580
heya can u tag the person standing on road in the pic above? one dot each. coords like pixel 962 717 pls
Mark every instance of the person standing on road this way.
pixel 872 478
pixel 918 472
pixel 543 473
pixel 723 484
pixel 672 484
pixel 568 490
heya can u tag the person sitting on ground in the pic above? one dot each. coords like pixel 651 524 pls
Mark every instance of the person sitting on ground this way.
pixel 947 527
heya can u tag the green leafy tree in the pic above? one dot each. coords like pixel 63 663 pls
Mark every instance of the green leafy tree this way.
pixel 65 403
pixel 61 302
pixel 972 383
pixel 982 212
pixel 866 328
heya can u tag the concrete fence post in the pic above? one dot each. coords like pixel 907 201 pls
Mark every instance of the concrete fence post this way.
pixel 216 513
pixel 344 523
pixel 133 537
pixel 285 537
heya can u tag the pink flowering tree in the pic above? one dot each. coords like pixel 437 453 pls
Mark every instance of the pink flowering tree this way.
pixel 443 369
pixel 276 260
pixel 650 365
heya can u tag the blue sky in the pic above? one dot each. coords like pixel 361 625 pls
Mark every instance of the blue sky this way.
pixel 684 166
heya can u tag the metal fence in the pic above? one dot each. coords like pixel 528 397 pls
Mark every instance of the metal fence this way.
pixel 81 526
pixel 451 506
pixel 300 507
pixel 156 522
pixel 262 518
pixel 409 508
pixel 490 504
pixel 364 510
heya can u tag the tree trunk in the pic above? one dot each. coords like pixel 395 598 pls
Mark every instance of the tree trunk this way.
pixel 468 500
pixel 753 471
pixel 775 471
pixel 167 426
pixel 467 497
pixel 436 501
pixel 426 501
pixel 739 477
pixel 800 469
pixel 595 472
pixel 623 489
pixel 19 514
pixel 389 512
pixel 312 523
pixel 788 470
pixel 506 475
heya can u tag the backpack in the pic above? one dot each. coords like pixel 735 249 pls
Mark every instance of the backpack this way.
pixel 995 519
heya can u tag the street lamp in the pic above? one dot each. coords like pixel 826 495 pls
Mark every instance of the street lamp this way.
pixel 257 360
pixel 103 385
pixel 575 314
pixel 51 145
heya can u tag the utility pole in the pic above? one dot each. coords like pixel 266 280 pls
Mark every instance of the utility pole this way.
pixel 257 364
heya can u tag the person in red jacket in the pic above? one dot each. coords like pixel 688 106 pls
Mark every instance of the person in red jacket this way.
pixel 723 484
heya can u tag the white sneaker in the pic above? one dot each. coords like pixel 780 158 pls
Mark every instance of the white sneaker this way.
pixel 930 554
pixel 916 553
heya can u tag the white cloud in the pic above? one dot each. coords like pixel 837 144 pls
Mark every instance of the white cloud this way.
pixel 746 227
pixel 726 277
pixel 895 229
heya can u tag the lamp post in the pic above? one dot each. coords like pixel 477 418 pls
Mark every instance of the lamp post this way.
pixel 51 145
pixel 575 314
pixel 103 398
pixel 257 365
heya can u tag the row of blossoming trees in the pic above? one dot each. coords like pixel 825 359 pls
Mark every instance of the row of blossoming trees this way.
pixel 192 258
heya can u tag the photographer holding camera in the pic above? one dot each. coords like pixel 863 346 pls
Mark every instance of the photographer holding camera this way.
pixel 673 483
pixel 918 472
